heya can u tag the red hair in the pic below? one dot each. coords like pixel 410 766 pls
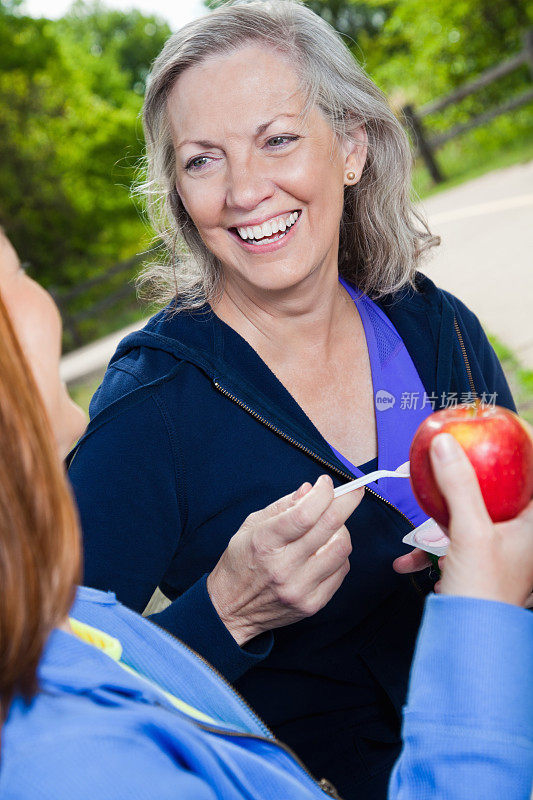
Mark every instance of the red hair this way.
pixel 40 550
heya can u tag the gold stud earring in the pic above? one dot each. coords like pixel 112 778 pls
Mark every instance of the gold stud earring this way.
pixel 350 176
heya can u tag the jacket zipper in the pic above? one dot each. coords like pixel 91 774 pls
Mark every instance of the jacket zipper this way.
pixel 465 356
pixel 323 784
pixel 219 675
pixel 302 447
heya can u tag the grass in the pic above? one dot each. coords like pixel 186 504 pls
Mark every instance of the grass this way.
pixel 82 392
pixel 112 320
pixel 504 142
pixel 520 379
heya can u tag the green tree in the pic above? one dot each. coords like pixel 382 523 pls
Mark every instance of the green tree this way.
pixel 70 137
pixel 132 40
pixel 429 48
pixel 352 19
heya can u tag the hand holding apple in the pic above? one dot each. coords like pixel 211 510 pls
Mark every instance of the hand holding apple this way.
pixel 488 560
pixel 497 445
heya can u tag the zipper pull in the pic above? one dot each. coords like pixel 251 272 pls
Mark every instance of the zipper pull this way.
pixel 329 789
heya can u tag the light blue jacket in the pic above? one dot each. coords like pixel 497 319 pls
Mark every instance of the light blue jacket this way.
pixel 96 732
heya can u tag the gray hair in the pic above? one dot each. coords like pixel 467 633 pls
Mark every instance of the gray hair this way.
pixel 382 235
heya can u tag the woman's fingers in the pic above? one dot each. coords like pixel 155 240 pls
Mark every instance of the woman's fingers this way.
pixel 458 483
pixel 327 587
pixel 313 513
pixel 285 561
pixel 283 503
pixel 330 522
pixel 324 551
pixel 302 514
pixel 411 562
pixel 329 558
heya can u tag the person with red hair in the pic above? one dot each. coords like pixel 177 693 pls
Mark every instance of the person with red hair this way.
pixel 97 702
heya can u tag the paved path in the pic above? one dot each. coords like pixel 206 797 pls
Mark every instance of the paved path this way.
pixel 486 254
pixel 485 258
pixel 93 358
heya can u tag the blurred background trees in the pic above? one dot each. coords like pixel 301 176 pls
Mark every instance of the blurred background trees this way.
pixel 71 92
pixel 427 48
pixel 70 136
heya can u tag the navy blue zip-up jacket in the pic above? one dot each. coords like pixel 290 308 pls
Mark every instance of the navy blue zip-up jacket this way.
pixel 190 432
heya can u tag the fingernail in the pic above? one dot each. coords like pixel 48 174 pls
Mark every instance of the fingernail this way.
pixel 324 479
pixel 301 491
pixel 445 448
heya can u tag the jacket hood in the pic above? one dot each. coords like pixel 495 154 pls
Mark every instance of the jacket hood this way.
pixel 423 319
pixel 201 338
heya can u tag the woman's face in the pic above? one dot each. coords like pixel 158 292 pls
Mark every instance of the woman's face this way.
pixel 38 327
pixel 245 156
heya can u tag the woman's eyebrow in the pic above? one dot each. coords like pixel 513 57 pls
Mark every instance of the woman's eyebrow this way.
pixel 259 130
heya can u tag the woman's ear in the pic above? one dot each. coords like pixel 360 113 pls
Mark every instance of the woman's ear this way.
pixel 355 148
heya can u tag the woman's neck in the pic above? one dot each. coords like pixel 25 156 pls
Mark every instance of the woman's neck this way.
pixel 303 321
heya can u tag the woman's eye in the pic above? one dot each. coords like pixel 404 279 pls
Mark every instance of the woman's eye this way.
pixel 277 142
pixel 280 141
pixel 196 163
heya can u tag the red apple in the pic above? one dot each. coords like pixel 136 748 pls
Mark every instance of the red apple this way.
pixel 498 446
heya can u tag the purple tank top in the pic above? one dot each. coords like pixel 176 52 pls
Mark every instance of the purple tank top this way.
pixel 400 404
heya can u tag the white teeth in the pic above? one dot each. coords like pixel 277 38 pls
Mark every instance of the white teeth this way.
pixel 267 229
pixel 268 239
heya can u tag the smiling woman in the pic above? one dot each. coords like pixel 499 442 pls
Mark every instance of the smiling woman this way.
pixel 278 178
pixel 310 72
pixel 289 170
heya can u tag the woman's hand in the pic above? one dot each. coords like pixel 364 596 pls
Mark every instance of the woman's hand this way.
pixel 488 560
pixel 285 562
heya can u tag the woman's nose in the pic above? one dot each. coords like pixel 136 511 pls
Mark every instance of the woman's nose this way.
pixel 248 185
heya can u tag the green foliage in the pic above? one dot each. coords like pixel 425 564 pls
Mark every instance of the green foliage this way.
pixel 70 137
pixel 418 52
pixel 520 379
pixel 507 140
pixel 70 96
pixel 82 392
pixel 426 49
pixel 355 20
pixel 130 41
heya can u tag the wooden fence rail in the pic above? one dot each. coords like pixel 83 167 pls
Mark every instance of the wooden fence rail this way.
pixel 428 145
pixel 109 300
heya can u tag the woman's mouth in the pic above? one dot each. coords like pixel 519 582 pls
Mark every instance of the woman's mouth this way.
pixel 259 237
